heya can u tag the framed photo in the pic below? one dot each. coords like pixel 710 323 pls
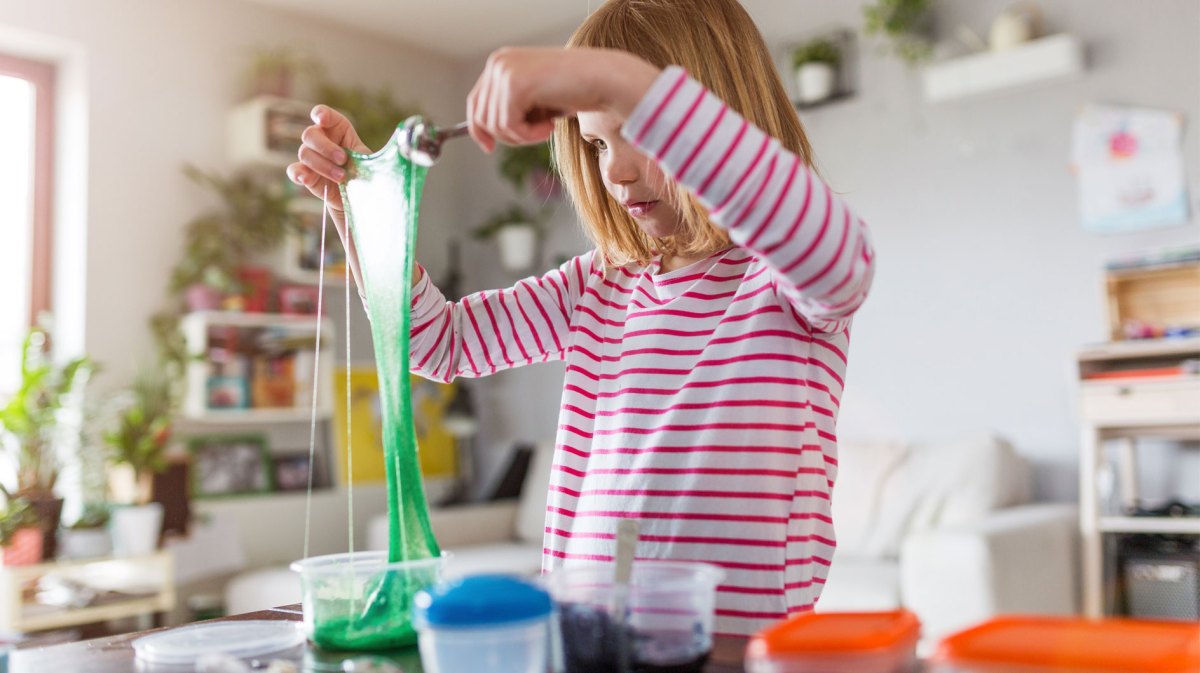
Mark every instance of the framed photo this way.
pixel 292 472
pixel 224 465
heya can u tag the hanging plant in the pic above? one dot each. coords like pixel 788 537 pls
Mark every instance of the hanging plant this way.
pixel 530 167
pixel 903 23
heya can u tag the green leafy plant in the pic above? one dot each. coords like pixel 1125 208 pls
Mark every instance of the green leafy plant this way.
pixel 902 22
pixel 820 50
pixel 375 114
pixel 143 424
pixel 512 216
pixel 30 418
pixel 528 166
pixel 17 514
pixel 94 515
pixel 254 215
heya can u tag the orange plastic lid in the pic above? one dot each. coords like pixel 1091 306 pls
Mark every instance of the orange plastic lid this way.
pixel 1117 645
pixel 837 632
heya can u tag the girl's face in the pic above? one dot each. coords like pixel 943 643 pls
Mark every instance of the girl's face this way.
pixel 632 178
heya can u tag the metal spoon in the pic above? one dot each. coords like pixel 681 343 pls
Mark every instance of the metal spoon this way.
pixel 421 141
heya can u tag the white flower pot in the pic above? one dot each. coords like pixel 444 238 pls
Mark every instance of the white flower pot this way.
pixel 518 243
pixel 815 82
pixel 135 529
pixel 84 543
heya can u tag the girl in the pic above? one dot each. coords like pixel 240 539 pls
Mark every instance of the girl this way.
pixel 705 337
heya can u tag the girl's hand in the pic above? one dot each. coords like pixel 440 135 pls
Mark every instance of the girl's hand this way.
pixel 322 158
pixel 522 89
pixel 320 169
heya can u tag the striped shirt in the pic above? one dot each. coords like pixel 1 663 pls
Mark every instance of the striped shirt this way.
pixel 702 401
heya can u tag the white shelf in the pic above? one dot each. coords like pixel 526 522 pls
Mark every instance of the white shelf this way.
pixel 265 131
pixel 254 320
pixel 1040 61
pixel 1150 524
pixel 257 416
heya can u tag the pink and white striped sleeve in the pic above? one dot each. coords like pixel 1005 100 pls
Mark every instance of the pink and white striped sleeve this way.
pixel 486 332
pixel 763 194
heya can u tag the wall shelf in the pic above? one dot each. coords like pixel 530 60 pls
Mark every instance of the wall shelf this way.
pixel 1040 61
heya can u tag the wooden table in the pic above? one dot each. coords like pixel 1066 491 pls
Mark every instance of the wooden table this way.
pixel 115 654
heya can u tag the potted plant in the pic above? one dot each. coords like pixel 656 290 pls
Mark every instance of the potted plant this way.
pixel 816 64
pixel 88 536
pixel 516 231
pixel 532 167
pixel 138 441
pixel 273 70
pixel 20 534
pixel 31 421
pixel 903 22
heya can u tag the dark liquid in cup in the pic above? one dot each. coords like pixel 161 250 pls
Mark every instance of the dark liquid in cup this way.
pixel 594 643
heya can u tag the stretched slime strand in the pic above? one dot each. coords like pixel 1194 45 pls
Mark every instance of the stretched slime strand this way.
pixel 382 198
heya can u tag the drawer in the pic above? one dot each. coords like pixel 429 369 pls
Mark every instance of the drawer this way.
pixel 1141 402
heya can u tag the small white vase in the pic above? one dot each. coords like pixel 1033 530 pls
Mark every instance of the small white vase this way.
pixel 135 529
pixel 518 243
pixel 815 82
pixel 84 543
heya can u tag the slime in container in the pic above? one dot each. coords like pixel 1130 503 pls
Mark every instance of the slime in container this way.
pixel 362 600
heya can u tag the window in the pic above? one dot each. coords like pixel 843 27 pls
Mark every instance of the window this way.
pixel 26 117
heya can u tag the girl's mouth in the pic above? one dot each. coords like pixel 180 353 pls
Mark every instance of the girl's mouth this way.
pixel 640 208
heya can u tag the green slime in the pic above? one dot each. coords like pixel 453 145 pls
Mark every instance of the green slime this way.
pixel 381 201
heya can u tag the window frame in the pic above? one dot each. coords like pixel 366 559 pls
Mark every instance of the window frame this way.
pixel 42 76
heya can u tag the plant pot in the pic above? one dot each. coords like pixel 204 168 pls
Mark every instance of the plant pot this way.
pixel 136 529
pixel 518 243
pixel 25 548
pixel 49 513
pixel 202 297
pixel 81 543
pixel 125 485
pixel 815 82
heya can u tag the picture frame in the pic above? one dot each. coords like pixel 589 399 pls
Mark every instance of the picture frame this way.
pixel 292 471
pixel 230 465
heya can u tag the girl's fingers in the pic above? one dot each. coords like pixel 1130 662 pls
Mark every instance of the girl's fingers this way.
pixel 315 138
pixel 477 112
pixel 321 165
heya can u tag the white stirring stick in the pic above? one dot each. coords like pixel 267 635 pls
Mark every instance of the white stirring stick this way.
pixel 627 539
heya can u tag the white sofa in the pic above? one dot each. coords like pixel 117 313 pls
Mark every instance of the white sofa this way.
pixel 945 529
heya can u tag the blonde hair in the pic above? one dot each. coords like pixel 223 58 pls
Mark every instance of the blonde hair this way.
pixel 717 42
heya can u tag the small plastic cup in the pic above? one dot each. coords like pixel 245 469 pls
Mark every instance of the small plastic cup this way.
pixel 666 610
pixel 359 601
pixel 492 623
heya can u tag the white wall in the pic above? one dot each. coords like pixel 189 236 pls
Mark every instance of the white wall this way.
pixel 986 283
pixel 159 79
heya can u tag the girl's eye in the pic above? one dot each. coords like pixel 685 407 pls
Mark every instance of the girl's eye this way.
pixel 599 145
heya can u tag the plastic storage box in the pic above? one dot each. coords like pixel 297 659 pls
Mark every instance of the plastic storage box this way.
pixel 1070 645
pixel 837 642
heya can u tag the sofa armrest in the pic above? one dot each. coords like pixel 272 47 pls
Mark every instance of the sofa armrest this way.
pixel 1018 559
pixel 458 526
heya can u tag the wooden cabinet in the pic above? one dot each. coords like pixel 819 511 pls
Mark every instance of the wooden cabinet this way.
pixel 1129 391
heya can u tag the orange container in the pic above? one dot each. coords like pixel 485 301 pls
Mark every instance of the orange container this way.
pixel 837 642
pixel 1071 645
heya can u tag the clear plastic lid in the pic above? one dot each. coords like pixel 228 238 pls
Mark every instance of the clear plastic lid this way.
pixel 241 639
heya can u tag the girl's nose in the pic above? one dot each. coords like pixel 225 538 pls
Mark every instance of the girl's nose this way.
pixel 621 167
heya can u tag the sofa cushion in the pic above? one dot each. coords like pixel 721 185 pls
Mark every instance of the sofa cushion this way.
pixel 860 584
pixel 531 514
pixel 507 558
pixel 950 482
pixel 864 470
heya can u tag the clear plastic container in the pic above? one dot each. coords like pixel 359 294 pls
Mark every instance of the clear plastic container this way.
pixel 667 609
pixel 1046 644
pixel 837 642
pixel 242 639
pixel 493 623
pixel 360 601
